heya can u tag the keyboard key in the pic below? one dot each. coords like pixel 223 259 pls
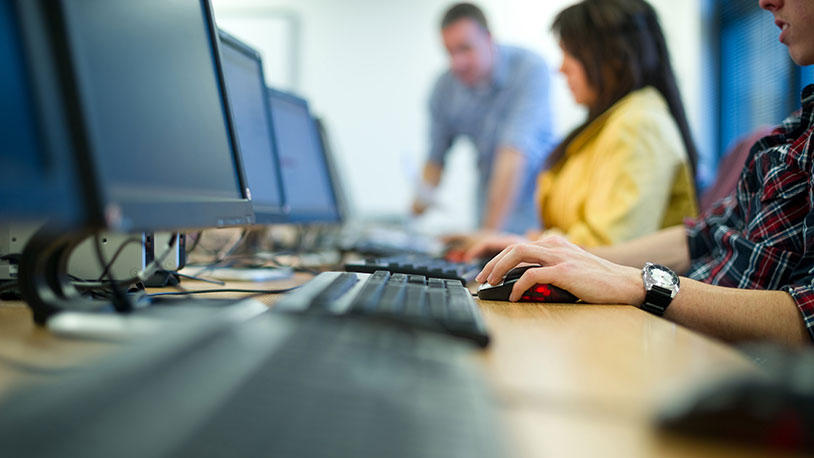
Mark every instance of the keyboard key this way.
pixel 418 279
pixel 438 301
pixel 371 293
pixel 393 296
pixel 459 308
pixel 415 300
pixel 334 291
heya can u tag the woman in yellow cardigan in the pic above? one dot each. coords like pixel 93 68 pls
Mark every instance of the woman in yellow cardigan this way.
pixel 628 170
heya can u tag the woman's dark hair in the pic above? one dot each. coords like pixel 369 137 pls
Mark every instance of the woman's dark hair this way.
pixel 622 48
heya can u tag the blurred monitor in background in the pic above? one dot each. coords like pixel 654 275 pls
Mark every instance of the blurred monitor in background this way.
pixel 306 175
pixel 243 69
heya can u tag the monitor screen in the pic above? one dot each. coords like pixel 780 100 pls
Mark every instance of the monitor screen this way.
pixel 158 129
pixel 38 174
pixel 306 177
pixel 243 69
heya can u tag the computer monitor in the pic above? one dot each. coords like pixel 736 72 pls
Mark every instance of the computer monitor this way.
pixel 151 128
pixel 339 190
pixel 157 124
pixel 243 68
pixel 306 177
pixel 39 178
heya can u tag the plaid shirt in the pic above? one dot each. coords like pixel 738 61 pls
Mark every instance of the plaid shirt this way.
pixel 762 235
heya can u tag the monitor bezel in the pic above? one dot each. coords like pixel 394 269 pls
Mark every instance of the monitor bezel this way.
pixel 340 192
pixel 148 216
pixel 62 195
pixel 264 214
pixel 296 216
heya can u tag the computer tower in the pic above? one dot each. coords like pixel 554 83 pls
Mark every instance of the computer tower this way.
pixel 137 252
pixel 13 238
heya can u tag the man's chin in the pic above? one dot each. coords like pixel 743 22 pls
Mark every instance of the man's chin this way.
pixel 467 81
pixel 801 58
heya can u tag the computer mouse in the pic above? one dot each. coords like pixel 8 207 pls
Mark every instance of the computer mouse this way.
pixel 537 293
pixel 773 408
pixel 747 410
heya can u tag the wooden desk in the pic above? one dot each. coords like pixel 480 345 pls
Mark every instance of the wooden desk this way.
pixel 579 380
pixel 571 380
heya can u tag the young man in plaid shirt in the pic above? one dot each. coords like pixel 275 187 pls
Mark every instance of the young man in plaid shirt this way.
pixel 748 261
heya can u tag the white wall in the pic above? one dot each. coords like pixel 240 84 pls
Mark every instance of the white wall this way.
pixel 367 66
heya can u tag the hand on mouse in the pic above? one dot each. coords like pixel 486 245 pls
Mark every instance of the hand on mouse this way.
pixel 589 277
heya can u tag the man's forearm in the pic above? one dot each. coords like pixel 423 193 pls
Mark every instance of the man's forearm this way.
pixel 503 187
pixel 731 314
pixel 738 314
pixel 667 247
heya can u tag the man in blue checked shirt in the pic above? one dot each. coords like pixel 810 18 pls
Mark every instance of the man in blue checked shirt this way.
pixel 498 97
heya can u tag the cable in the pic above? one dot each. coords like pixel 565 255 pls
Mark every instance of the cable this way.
pixel 145 273
pixel 197 242
pixel 240 240
pixel 8 286
pixel 120 300
pixel 193 277
pixel 116 255
pixel 14 258
pixel 226 255
pixel 197 245
pixel 37 370
pixel 156 266
pixel 224 290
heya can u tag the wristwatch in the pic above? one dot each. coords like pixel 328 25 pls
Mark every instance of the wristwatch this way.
pixel 660 286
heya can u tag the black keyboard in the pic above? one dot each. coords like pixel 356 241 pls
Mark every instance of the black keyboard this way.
pixel 263 384
pixel 374 240
pixel 418 265
pixel 414 300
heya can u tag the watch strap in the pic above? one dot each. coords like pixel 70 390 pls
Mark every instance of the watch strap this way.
pixel 656 300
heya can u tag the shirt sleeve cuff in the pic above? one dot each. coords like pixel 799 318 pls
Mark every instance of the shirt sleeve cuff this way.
pixel 695 229
pixel 803 296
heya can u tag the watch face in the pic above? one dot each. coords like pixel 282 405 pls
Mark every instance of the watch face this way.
pixel 662 276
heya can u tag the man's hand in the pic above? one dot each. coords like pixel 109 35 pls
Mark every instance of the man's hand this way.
pixel 425 194
pixel 589 277
pixel 419 207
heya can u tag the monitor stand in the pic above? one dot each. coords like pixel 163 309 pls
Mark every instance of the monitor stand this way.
pixel 43 278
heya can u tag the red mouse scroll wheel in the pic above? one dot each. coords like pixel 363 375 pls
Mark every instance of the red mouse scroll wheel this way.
pixel 542 289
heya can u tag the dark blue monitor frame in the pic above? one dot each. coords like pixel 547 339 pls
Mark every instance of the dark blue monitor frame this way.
pixel 339 190
pixel 149 211
pixel 264 212
pixel 300 215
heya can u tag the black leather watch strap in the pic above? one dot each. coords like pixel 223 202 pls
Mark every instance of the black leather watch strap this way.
pixel 657 300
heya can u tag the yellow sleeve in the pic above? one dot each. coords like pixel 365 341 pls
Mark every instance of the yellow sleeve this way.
pixel 631 179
